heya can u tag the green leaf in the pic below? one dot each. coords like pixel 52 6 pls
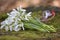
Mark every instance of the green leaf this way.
pixel 36 24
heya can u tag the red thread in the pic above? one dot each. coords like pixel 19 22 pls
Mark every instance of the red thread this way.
pixel 53 13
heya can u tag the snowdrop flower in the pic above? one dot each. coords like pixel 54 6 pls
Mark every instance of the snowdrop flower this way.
pixel 6 21
pixel 2 23
pixel 6 28
pixel 11 28
pixel 14 20
pixel 27 16
pixel 19 19
pixel 22 25
pixel 23 10
pixel 23 13
pixel 14 13
pixel 20 8
pixel 15 23
pixel 16 28
pixel 2 26
pixel 9 21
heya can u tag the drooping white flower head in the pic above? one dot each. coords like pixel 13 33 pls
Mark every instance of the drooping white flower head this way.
pixel 28 15
pixel 20 8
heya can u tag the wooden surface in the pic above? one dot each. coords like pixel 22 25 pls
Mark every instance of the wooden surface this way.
pixel 8 5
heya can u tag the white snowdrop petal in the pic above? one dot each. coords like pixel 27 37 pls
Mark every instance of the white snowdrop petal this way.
pixel 29 13
pixel 22 9
pixel 11 28
pixel 8 14
pixel 2 22
pixel 23 13
pixel 14 9
pixel 19 19
pixel 16 28
pixel 6 28
pixel 23 28
pixel 26 17
pixel 2 26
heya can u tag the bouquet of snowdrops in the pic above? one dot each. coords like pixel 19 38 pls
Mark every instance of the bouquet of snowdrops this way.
pixel 18 19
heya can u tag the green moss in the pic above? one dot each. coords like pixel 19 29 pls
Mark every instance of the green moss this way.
pixel 3 16
pixel 7 37
pixel 25 35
